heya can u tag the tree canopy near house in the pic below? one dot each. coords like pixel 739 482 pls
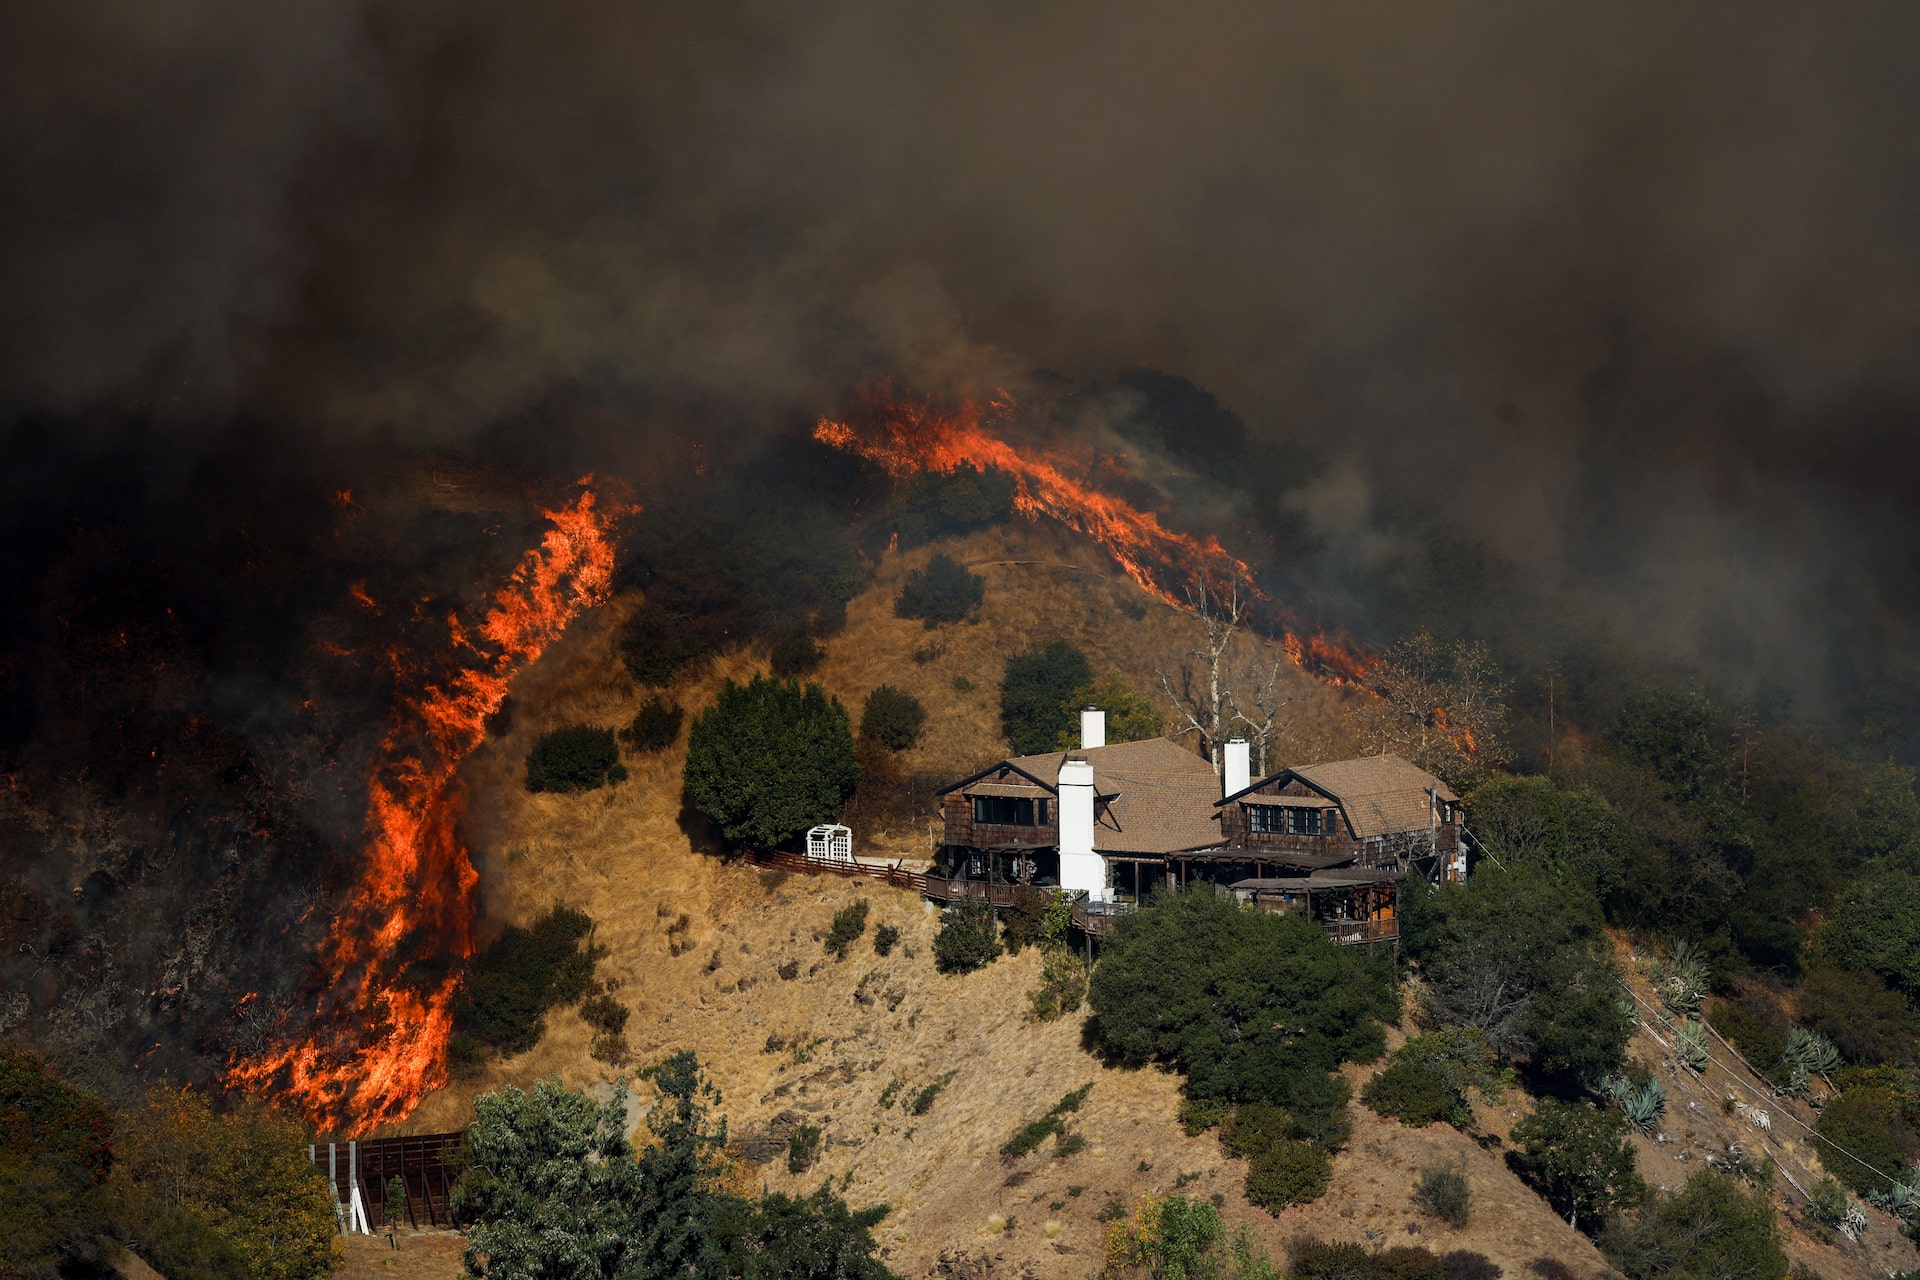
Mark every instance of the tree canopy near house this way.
pixel 1569 831
pixel 1035 693
pixel 770 758
pixel 557 1190
pixel 1522 956
pixel 1132 716
pixel 1251 1006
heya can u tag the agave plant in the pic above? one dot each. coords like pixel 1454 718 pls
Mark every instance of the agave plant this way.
pixel 1690 1045
pixel 1811 1052
pixel 1644 1106
pixel 1629 1009
pixel 1899 1197
pixel 1683 978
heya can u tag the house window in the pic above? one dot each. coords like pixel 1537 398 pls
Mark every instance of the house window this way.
pixel 1265 820
pixel 1303 822
pixel 1006 811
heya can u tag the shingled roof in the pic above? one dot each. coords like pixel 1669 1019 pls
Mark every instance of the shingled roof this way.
pixel 1156 796
pixel 1381 795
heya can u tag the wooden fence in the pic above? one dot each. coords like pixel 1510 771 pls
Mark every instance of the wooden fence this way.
pixel 426 1165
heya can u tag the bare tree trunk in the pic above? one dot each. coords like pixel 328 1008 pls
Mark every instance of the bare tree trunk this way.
pixel 1205 711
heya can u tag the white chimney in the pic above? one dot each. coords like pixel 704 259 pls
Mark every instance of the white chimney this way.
pixel 1080 867
pixel 1093 728
pixel 1236 769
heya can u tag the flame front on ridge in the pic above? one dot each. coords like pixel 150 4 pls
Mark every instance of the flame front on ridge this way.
pixel 903 437
pixel 378 1042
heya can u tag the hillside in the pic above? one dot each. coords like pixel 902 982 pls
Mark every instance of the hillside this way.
pixel 826 1046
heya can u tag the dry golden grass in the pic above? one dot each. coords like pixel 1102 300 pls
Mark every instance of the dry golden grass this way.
pixel 864 1023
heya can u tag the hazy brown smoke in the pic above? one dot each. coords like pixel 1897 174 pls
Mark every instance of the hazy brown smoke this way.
pixel 1635 284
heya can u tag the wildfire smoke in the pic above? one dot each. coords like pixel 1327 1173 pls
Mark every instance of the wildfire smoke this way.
pixel 378 1041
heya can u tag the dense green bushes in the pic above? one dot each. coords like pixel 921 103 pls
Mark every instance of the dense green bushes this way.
pixel 848 924
pixel 795 653
pixel 1036 692
pixel 1521 956
pixel 969 938
pixel 1428 1078
pixel 892 717
pixel 769 759
pixel 1288 1172
pixel 1131 715
pixel 655 727
pixel 1710 1223
pixel 1579 1158
pixel 574 759
pixel 1871 1124
pixel 942 592
pixel 510 986
pixel 944 504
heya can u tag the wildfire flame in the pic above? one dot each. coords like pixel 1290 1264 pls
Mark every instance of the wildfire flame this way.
pixel 378 1043
pixel 903 437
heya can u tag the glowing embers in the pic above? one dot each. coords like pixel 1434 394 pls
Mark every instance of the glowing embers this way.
pixel 377 1043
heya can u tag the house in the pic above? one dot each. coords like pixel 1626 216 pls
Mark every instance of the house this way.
pixel 1109 823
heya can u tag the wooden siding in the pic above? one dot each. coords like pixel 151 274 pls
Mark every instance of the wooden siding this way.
pixel 956 813
pixel 1367 852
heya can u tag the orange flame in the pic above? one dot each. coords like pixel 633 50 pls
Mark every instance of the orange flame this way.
pixel 378 1043
pixel 904 437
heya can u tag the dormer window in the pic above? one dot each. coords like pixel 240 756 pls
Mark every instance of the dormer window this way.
pixel 1009 811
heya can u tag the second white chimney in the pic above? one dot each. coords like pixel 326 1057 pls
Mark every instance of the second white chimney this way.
pixel 1236 769
pixel 1093 728
pixel 1080 867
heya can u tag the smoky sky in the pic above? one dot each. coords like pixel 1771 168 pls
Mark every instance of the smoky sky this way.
pixel 1627 291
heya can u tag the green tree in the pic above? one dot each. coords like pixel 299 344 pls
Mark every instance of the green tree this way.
pixel 944 504
pixel 1522 957
pixel 1038 687
pixel 523 973
pixel 1711 1230
pixel 1670 733
pixel 969 938
pixel 1573 832
pixel 56 1147
pixel 1580 1158
pixel 576 759
pixel 222 1195
pixel 1249 1005
pixel 1876 927
pixel 655 727
pixel 781 1237
pixel 892 717
pixel 1870 1125
pixel 942 592
pixel 1132 716
pixel 769 759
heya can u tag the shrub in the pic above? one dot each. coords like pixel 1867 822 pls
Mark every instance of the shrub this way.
pixel 1197 1115
pixel 1464 1264
pixel 922 1102
pixel 655 727
pixel 943 504
pixel 1442 1193
pixel 1710 1218
pixel 848 924
pixel 892 717
pixel 605 1013
pixel 657 648
pixel 1311 1259
pixel 1579 1158
pixel 1868 1123
pixel 885 938
pixel 1063 985
pixel 803 1147
pixel 1755 1024
pixel 769 759
pixel 1253 1128
pixel 510 986
pixel 1024 920
pixel 1415 1095
pixel 795 653
pixel 1857 1011
pixel 1249 1005
pixel 1034 692
pixel 1288 1173
pixel 610 1047
pixel 576 759
pixel 968 938
pixel 1407 1262
pixel 942 592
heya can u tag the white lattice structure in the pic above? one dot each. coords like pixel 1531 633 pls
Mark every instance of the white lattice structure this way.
pixel 830 842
